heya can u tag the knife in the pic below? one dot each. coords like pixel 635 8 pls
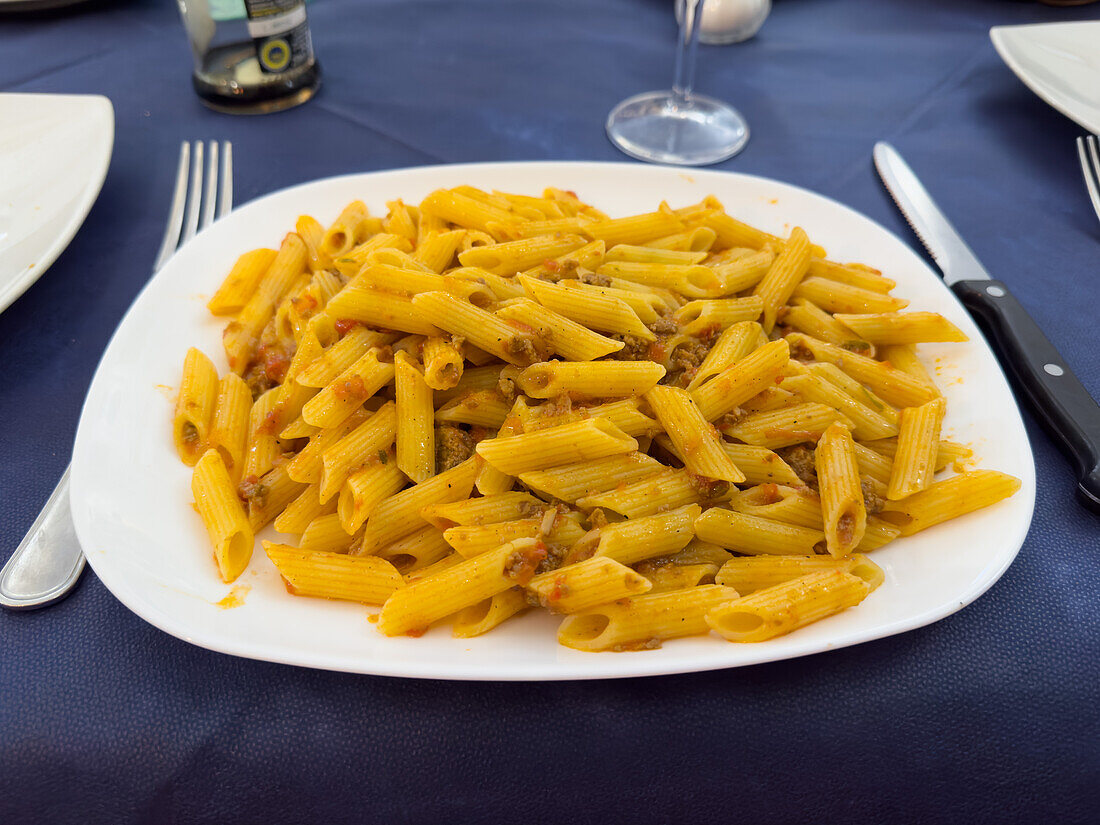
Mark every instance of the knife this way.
pixel 1057 397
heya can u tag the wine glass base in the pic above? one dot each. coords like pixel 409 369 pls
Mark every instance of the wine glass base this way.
pixel 658 127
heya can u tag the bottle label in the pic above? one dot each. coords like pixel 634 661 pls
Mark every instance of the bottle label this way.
pixel 280 32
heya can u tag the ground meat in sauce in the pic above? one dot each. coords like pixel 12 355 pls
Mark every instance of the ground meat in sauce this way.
pixel 531 509
pixel 594 278
pixel 524 348
pixel 253 491
pixel 555 555
pixel 453 446
pixel 801 460
pixel 708 488
pixel 636 349
pixel 507 389
pixel 873 501
pixel 687 357
pixel 845 529
pixel 665 326
pixel 521 565
pixel 730 419
pixel 257 380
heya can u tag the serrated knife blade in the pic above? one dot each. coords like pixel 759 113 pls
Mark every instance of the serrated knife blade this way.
pixel 930 225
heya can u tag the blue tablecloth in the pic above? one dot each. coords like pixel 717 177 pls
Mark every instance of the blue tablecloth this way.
pixel 990 715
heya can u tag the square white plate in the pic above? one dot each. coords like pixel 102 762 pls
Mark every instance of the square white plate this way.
pixel 131 497
pixel 54 154
pixel 1060 62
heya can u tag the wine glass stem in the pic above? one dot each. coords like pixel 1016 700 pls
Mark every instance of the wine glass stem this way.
pixel 686 46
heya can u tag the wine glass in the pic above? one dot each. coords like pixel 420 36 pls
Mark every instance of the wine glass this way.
pixel 679 126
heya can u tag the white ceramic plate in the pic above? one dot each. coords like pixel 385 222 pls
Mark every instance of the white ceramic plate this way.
pixel 1060 62
pixel 131 498
pixel 54 154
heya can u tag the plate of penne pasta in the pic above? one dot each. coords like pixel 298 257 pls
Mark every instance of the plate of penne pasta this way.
pixel 526 421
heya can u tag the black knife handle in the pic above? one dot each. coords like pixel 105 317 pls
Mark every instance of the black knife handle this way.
pixel 1057 396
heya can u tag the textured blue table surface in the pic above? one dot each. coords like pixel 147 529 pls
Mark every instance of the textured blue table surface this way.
pixel 991 715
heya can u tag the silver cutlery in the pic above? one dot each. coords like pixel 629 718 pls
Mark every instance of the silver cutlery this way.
pixel 1088 152
pixel 1057 397
pixel 48 562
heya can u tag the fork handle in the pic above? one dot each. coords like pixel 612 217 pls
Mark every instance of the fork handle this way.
pixel 1059 399
pixel 48 562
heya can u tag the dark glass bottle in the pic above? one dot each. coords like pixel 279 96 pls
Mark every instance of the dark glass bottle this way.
pixel 258 61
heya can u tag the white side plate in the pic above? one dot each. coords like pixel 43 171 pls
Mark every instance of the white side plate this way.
pixel 1060 62
pixel 131 497
pixel 54 154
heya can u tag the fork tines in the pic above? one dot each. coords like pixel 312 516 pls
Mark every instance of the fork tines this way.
pixel 204 192
pixel 1088 151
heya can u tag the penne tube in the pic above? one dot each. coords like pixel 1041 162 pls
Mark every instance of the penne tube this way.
pixel 312 234
pixel 365 489
pixel 467 212
pixel 347 392
pixel 379 309
pixel 487 509
pixel 948 453
pixel 904 357
pixel 401 220
pixel 667 577
pixel 482 408
pixel 567 338
pixel 262 447
pixel 697 442
pixel 417 551
pixel 603 313
pixel 703 317
pixel 325 535
pixel 950 498
pixel 472 540
pixel 241 282
pixel 838 378
pixel 269 496
pixel 582 586
pixel 643 622
pixel 842 506
pixel 778 610
pixel 409 282
pixel 320 574
pixel 344 233
pixel 482 329
pixel 743 273
pixel 593 379
pixel 687 279
pixel 647 305
pixel 636 229
pixel 892 385
pixel 655 493
pixel 342 354
pixel 623 414
pixel 733 233
pixel 902 327
pixel 803 315
pixel 366 443
pixel 696 239
pixel 662 534
pixel 399 515
pixel 423 602
pixel 784 275
pixel 242 335
pixel 753 535
pixel 833 296
pixel 415 420
pixel 854 274
pixel 650 255
pixel 742 380
pixel 307 465
pixel 303 510
pixel 760 465
pixel 748 574
pixel 867 422
pixel 195 407
pixel 473 379
pixel 787 426
pixel 918 444
pixel 354 259
pixel 438 250
pixel 516 256
pixel 566 444
pixel 735 342
pixel 575 481
pixel 482 617
pixel 221 512
pixel 443 363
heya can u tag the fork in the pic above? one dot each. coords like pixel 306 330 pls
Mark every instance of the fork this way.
pixel 48 562
pixel 1088 152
